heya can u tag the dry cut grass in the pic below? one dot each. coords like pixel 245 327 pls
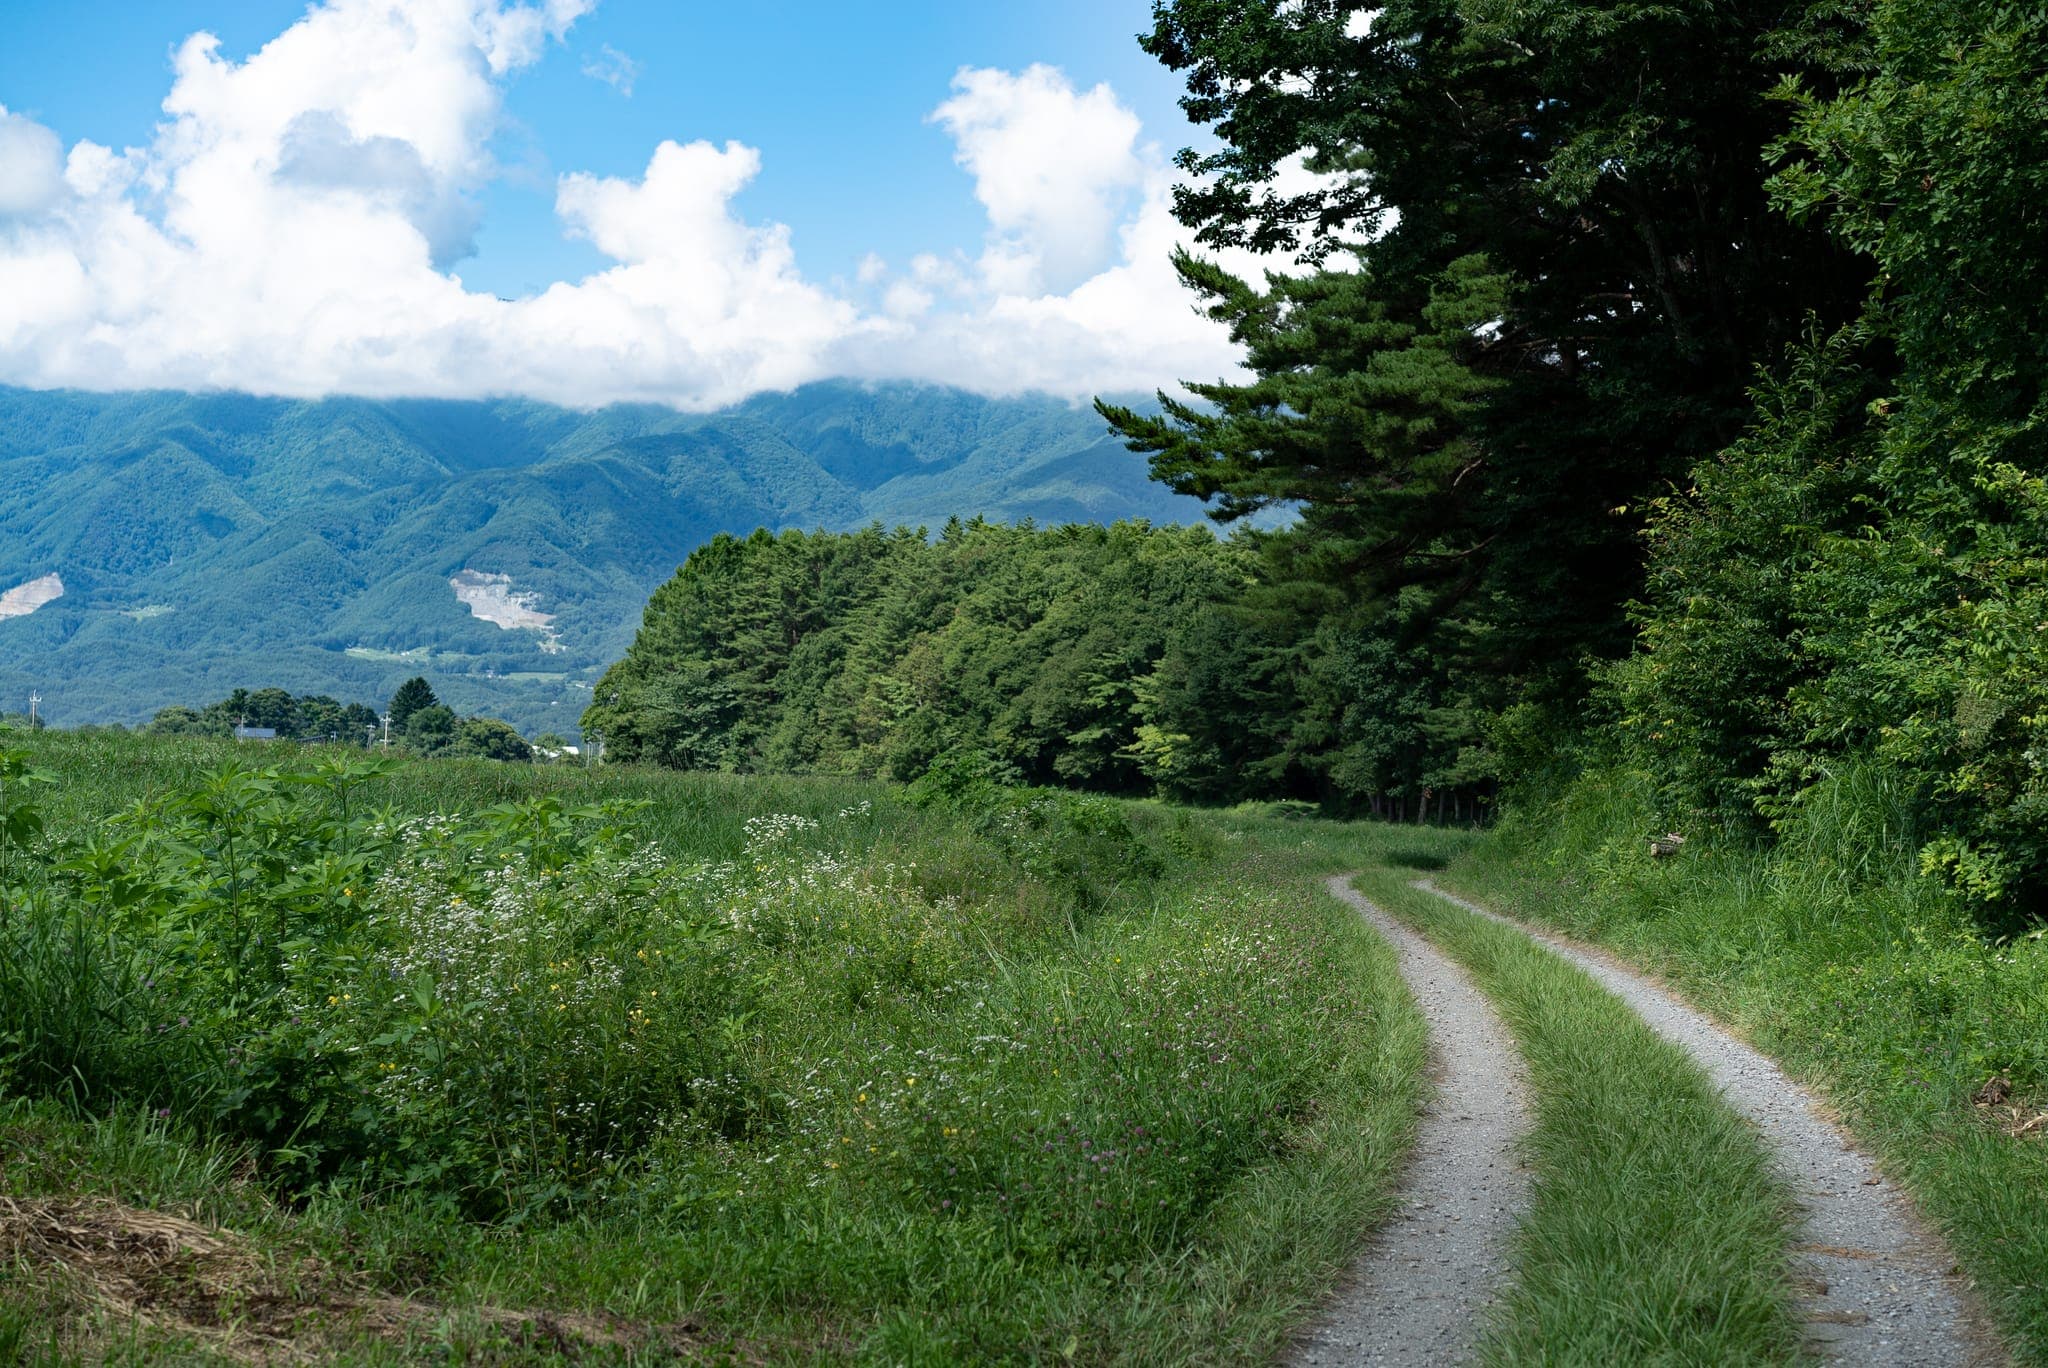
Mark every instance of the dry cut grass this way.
pixel 114 1273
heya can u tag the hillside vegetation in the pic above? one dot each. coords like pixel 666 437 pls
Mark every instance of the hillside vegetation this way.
pixel 212 542
pixel 781 1069
pixel 1127 659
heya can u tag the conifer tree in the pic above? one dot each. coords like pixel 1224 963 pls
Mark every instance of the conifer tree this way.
pixel 1549 272
pixel 413 696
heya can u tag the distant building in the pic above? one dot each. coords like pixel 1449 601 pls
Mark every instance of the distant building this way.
pixel 255 733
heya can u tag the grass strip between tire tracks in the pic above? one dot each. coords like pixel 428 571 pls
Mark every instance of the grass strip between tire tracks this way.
pixel 1657 1232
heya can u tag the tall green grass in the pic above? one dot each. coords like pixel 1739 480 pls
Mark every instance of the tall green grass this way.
pixel 816 1070
pixel 1829 952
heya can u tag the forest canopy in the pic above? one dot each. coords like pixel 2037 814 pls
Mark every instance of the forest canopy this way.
pixel 1126 659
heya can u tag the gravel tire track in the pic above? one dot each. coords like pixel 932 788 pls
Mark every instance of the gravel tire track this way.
pixel 1875 1285
pixel 1419 1292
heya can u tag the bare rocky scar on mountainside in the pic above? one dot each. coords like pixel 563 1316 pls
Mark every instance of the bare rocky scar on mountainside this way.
pixel 492 598
pixel 24 599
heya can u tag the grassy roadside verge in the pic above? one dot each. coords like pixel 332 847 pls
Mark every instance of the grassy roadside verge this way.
pixel 938 1108
pixel 1656 1231
pixel 1277 1244
pixel 1832 956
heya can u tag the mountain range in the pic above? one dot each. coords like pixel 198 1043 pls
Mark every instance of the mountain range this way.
pixel 160 548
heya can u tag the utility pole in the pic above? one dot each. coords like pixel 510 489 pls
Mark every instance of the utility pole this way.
pixel 34 701
pixel 387 731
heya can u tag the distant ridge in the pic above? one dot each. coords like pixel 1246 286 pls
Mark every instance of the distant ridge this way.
pixel 210 541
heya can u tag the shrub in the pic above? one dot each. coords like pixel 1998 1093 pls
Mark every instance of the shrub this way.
pixel 1080 844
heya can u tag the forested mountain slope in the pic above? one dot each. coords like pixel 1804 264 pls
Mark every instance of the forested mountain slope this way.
pixel 208 542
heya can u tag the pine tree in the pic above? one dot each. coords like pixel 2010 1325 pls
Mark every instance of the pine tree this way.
pixel 1559 270
pixel 413 696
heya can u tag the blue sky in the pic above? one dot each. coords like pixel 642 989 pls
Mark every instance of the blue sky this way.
pixel 833 103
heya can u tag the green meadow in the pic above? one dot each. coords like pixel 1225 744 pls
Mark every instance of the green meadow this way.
pixel 479 1059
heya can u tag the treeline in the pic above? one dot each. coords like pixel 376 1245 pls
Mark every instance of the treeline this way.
pixel 1125 659
pixel 307 717
pixel 418 722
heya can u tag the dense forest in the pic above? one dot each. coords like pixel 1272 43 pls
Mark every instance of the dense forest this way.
pixel 1127 658
pixel 1666 384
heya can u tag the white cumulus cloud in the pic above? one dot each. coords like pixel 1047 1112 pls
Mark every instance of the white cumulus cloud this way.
pixel 703 308
pixel 1056 168
pixel 1074 293
pixel 1131 326
pixel 297 222
pixel 31 165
